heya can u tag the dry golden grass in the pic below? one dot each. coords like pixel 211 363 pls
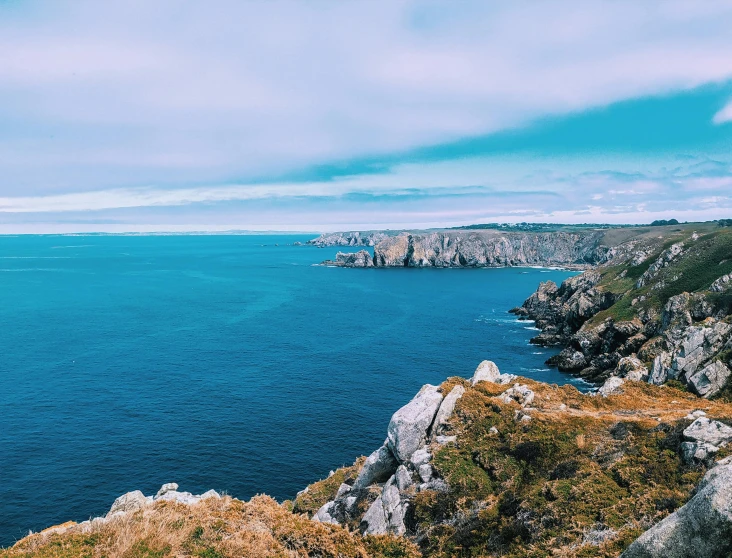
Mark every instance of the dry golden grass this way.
pixel 212 528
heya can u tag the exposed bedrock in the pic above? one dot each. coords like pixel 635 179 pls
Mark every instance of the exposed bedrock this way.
pixel 702 528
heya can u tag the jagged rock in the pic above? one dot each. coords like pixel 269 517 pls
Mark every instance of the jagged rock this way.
pixel 631 368
pixel 378 467
pixel 446 409
pixel 349 259
pixel 410 425
pixel 210 494
pixel 721 284
pixel 180 497
pixel 666 257
pixel 709 431
pixel 386 514
pixel 700 343
pixel 168 487
pixel 702 528
pixel 402 478
pixel 487 371
pixel 611 386
pixel 132 501
pixel 325 514
pixel 519 393
pixel 659 371
pixel 348 239
pixel 711 379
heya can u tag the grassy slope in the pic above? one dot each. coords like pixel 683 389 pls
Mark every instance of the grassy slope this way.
pixel 704 260
pixel 211 529
pixel 596 470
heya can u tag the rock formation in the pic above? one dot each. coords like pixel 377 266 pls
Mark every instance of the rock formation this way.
pixel 643 317
pixel 362 258
pixel 349 239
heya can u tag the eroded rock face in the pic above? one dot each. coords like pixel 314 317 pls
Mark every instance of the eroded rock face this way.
pixel 710 379
pixel 702 528
pixel 489 249
pixel 379 466
pixel 409 426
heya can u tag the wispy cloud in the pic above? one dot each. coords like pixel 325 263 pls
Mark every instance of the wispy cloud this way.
pixel 213 104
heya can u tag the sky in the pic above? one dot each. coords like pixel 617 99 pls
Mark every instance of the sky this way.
pixel 324 115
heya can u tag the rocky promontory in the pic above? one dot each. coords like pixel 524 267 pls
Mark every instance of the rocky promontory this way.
pixel 349 239
pixel 659 311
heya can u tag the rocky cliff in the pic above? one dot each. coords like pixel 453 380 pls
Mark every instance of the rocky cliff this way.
pixel 659 311
pixel 349 239
pixel 486 249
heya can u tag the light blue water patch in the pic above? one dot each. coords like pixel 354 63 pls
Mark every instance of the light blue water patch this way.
pixel 221 362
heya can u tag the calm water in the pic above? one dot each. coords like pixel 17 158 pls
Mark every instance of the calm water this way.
pixel 220 362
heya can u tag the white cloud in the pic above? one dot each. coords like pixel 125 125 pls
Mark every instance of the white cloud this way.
pixel 724 115
pixel 101 94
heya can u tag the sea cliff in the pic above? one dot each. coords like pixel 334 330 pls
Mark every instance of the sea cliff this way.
pixel 578 250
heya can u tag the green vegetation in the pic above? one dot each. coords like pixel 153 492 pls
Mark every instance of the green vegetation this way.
pixel 582 478
pixel 664 222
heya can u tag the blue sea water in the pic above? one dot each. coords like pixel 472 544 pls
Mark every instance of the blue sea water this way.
pixel 226 362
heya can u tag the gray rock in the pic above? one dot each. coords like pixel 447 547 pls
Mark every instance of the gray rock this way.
pixel 659 371
pixel 711 379
pixel 420 457
pixel 426 472
pixel 442 440
pixel 446 409
pixel 402 478
pixel 168 487
pixel 210 494
pixel 722 284
pixel 519 393
pixel 180 497
pixel 386 515
pixel 698 452
pixel 631 368
pixel 701 529
pixel 410 425
pixel 132 501
pixel 487 371
pixel 325 514
pixel 378 467
pixel 709 431
pixel 611 386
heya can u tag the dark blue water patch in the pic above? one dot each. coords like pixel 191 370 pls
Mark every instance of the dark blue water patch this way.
pixel 221 362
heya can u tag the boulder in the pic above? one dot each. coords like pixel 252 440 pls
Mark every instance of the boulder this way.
pixel 168 487
pixel 420 457
pixel 446 409
pixel 702 528
pixel 710 431
pixel 518 393
pixel 378 467
pixel 409 427
pixel 325 514
pixel 709 380
pixel 487 371
pixel 698 452
pixel 611 386
pixel 659 371
pixel 132 501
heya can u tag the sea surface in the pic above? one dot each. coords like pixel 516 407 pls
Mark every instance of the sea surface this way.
pixel 225 362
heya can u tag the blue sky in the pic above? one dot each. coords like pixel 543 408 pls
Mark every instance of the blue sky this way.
pixel 142 116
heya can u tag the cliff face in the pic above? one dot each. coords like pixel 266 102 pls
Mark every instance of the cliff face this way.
pixel 479 249
pixel 659 311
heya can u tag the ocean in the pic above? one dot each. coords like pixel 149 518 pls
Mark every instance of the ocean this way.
pixel 225 362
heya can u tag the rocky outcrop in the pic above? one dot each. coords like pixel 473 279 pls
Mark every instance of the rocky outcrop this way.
pixel 136 500
pixel 490 249
pixel 349 239
pixel 702 528
pixel 362 258
pixel 686 337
